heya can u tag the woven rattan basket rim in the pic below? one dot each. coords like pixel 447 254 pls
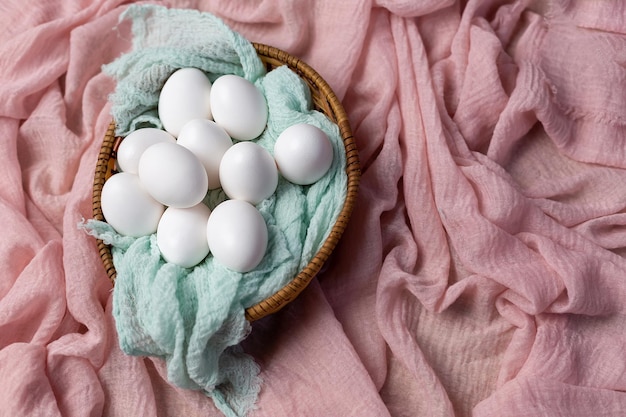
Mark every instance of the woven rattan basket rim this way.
pixel 324 100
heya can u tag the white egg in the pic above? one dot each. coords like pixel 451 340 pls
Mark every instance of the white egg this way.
pixel 239 107
pixel 173 175
pixel 237 235
pixel 185 96
pixel 128 207
pixel 208 141
pixel 181 235
pixel 135 143
pixel 248 172
pixel 303 153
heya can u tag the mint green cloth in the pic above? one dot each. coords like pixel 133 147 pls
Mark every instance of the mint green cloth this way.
pixel 194 318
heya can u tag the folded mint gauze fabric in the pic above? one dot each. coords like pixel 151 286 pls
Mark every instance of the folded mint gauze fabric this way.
pixel 195 318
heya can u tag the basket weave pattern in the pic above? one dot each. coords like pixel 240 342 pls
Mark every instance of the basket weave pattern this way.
pixel 325 101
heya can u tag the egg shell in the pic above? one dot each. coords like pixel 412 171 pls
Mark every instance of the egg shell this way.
pixel 128 207
pixel 248 172
pixel 181 235
pixel 185 96
pixel 303 153
pixel 173 175
pixel 238 106
pixel 133 146
pixel 208 141
pixel 237 235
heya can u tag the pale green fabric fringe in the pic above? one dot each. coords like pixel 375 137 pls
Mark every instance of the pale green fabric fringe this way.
pixel 194 318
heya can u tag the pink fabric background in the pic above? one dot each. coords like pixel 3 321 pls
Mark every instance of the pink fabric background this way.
pixel 483 271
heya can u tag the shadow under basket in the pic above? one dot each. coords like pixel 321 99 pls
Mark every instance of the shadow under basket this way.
pixel 325 101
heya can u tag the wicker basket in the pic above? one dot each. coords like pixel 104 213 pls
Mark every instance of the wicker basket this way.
pixel 325 101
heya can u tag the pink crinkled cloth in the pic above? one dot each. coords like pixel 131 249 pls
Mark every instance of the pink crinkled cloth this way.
pixel 483 272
